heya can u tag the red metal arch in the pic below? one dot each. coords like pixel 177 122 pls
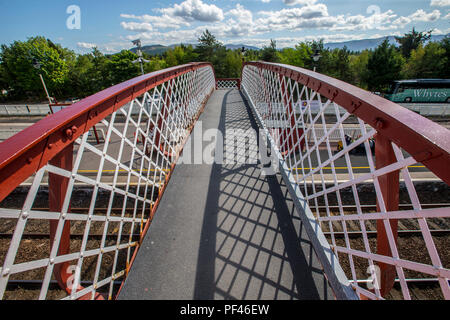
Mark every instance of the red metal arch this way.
pixel 25 153
pixel 425 140
pixel 51 141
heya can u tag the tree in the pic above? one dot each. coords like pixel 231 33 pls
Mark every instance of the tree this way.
pixel 156 63
pixel 209 49
pixel 358 68
pixel 411 41
pixel 384 66
pixel 337 62
pixel 445 72
pixel 207 46
pixel 120 67
pixel 98 74
pixel 79 77
pixel 19 72
pixel 233 61
pixel 270 53
pixel 299 57
pixel 426 62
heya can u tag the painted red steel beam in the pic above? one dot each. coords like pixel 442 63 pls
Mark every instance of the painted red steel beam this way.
pixel 390 189
pixel 28 151
pixel 57 192
pixel 426 141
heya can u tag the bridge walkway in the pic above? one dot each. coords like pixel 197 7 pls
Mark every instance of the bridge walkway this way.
pixel 224 231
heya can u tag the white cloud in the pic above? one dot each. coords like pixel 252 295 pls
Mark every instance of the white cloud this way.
pixel 160 22
pixel 440 3
pixel 185 22
pixel 421 15
pixel 137 26
pixel 299 2
pixel 315 16
pixel 195 10
pixel 86 45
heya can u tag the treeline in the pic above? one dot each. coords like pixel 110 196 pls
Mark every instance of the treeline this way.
pixel 414 57
pixel 68 74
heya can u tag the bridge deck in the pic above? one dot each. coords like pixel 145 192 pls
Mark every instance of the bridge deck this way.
pixel 225 231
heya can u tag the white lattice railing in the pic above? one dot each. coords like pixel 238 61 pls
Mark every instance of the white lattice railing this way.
pixel 318 174
pixel 227 84
pixel 117 183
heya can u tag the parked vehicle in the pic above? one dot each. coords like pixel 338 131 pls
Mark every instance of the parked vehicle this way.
pixel 420 90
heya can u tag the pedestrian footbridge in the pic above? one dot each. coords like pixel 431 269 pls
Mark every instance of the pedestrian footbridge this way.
pixel 206 188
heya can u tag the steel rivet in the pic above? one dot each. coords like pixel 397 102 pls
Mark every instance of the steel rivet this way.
pixel 24 215
pixel 6 272
pixel 52 261
pixel 379 124
pixel 30 160
pixel 50 146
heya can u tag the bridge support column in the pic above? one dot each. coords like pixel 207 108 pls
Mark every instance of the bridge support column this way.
pixel 57 186
pixel 390 187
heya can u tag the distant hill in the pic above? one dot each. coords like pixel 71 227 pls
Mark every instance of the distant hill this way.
pixel 158 49
pixel 355 45
pixel 360 45
pixel 152 50
pixel 239 47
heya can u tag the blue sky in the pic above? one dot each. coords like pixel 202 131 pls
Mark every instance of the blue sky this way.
pixel 111 25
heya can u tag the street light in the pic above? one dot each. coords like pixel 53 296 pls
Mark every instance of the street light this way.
pixel 316 57
pixel 243 54
pixel 140 60
pixel 37 65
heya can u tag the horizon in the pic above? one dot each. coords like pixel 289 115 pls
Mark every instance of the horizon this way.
pixel 76 24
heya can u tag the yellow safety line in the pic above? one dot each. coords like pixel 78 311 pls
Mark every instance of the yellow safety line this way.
pixel 343 168
pixel 167 170
pixel 106 171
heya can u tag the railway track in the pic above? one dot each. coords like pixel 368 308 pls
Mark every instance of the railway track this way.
pixel 420 286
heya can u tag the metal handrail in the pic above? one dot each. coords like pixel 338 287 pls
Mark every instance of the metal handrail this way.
pixel 29 150
pixel 178 98
pixel 396 137
pixel 427 141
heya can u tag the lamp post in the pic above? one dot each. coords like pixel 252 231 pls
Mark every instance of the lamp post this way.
pixel 316 57
pixel 140 60
pixel 37 65
pixel 243 54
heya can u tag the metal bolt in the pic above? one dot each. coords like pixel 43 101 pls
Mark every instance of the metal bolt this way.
pixel 379 124
pixel 69 133
pixel 52 261
pixel 50 146
pixel 24 215
pixel 6 272
pixel 30 160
